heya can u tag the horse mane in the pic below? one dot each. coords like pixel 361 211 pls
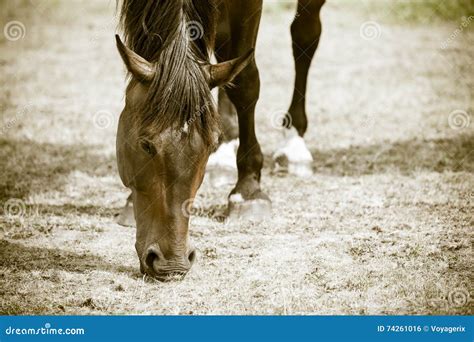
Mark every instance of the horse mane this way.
pixel 176 36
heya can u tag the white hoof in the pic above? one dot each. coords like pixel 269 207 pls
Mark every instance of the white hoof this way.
pixel 293 157
pixel 251 210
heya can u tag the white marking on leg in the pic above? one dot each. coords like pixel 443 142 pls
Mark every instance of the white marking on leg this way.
pixel 236 198
pixel 225 156
pixel 296 152
pixel 222 165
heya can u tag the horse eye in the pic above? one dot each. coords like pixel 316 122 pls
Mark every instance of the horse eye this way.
pixel 148 148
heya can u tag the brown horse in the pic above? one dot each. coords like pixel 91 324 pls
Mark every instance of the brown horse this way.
pixel 170 126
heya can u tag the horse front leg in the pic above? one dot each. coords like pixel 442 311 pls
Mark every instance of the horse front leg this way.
pixel 293 156
pixel 247 200
pixel 237 34
pixel 222 167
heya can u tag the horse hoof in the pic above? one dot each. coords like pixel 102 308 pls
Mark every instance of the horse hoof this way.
pixel 282 167
pixel 253 210
pixel 301 169
pixel 293 157
pixel 127 217
pixel 219 176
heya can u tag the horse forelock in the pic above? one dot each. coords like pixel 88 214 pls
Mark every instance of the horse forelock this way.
pixel 176 36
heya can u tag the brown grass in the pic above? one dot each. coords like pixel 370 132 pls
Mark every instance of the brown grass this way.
pixel 383 227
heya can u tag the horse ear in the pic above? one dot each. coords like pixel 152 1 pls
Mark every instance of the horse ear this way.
pixel 138 66
pixel 223 73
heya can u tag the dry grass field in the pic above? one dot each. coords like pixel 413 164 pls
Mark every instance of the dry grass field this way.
pixel 384 226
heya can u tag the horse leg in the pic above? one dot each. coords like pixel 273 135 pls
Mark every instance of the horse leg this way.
pixel 228 114
pixel 126 216
pixel 294 157
pixel 221 167
pixel 247 200
pixel 305 34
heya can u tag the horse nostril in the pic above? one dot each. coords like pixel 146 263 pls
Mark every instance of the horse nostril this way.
pixel 151 258
pixel 160 267
pixel 192 256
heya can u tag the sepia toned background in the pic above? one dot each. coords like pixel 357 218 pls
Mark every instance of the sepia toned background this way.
pixel 384 226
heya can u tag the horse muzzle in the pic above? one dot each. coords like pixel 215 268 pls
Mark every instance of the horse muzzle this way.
pixel 156 265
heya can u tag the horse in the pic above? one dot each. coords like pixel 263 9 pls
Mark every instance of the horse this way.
pixel 170 125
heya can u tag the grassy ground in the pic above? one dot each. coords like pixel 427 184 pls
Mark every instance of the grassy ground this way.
pixel 413 11
pixel 384 226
